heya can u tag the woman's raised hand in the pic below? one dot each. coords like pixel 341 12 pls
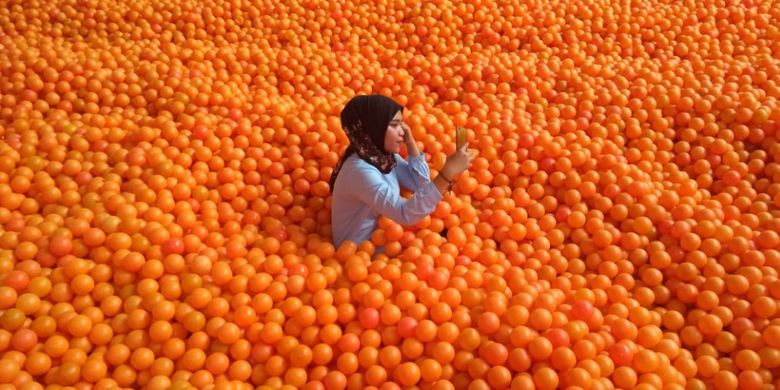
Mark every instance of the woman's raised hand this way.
pixel 408 137
pixel 411 145
pixel 458 162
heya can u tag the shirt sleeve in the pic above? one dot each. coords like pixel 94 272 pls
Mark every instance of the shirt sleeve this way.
pixel 413 174
pixel 371 189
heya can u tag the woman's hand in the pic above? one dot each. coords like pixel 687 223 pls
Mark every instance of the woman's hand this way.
pixel 408 137
pixel 411 145
pixel 458 162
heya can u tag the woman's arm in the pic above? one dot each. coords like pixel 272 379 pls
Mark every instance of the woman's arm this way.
pixel 370 188
pixel 414 173
pixel 455 165
pixel 442 184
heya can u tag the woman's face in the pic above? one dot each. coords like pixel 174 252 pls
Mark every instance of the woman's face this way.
pixel 394 136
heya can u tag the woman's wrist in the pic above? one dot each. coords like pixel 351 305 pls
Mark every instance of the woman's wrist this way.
pixel 442 184
pixel 446 170
pixel 411 148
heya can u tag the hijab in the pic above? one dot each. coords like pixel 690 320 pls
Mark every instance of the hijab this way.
pixel 365 119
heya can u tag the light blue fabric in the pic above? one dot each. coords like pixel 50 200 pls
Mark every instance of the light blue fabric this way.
pixel 362 194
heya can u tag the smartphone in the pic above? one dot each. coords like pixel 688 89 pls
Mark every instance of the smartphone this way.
pixel 460 137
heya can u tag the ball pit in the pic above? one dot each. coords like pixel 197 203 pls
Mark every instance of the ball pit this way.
pixel 164 204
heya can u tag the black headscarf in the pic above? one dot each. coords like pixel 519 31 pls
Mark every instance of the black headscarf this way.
pixel 365 119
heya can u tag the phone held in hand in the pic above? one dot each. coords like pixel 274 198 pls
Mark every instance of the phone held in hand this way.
pixel 460 137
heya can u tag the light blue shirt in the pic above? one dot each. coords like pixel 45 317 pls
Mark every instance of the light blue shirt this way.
pixel 362 194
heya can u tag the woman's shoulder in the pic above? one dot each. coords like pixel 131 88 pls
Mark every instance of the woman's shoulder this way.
pixel 355 167
pixel 355 163
pixel 356 170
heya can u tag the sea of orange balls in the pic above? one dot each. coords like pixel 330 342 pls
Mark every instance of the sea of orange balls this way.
pixel 165 208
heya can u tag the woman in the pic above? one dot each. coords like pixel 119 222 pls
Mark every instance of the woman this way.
pixel 366 181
